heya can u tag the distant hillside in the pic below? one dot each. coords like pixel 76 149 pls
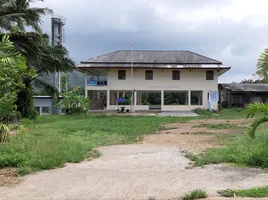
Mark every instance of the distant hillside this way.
pixel 76 79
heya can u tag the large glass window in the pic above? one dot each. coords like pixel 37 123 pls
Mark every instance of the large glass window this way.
pixel 176 97
pixel 149 75
pixel 121 74
pixel 196 98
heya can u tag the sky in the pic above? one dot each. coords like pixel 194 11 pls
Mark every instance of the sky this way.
pixel 232 31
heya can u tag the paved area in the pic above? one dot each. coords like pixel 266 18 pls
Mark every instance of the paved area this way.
pixel 178 114
pixel 137 171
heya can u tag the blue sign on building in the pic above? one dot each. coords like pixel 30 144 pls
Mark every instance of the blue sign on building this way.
pixel 120 100
pixel 91 83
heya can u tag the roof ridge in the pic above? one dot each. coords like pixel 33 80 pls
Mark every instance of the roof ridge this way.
pixel 103 55
pixel 154 50
pixel 204 56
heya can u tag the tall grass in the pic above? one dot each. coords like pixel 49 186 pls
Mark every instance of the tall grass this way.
pixel 257 192
pixel 51 141
pixel 196 194
pixel 241 150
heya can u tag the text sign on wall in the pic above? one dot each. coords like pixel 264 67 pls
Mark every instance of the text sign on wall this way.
pixel 214 95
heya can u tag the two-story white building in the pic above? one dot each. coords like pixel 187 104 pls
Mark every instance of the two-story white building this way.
pixel 162 80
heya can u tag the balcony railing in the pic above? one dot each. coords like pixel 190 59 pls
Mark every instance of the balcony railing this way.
pixel 96 83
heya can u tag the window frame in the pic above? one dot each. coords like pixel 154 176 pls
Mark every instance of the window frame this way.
pixel 208 76
pixel 201 97
pixel 149 77
pixel 119 77
pixel 176 73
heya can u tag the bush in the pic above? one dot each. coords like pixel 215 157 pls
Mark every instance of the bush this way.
pixel 196 194
pixel 201 111
pixel 25 103
pixel 13 117
pixel 225 104
pixel 73 102
pixel 227 193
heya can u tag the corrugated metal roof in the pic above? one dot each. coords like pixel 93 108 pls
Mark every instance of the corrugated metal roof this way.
pixel 246 87
pixel 153 57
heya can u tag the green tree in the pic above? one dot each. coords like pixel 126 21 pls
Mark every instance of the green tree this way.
pixel 262 66
pixel 12 69
pixel 257 108
pixel 21 14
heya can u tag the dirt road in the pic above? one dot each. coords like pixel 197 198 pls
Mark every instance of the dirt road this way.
pixel 137 171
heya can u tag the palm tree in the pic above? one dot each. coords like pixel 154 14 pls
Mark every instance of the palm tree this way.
pixel 252 110
pixel 262 66
pixel 42 58
pixel 45 60
pixel 20 14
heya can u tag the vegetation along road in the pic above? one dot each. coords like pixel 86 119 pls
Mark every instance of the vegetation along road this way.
pixel 158 166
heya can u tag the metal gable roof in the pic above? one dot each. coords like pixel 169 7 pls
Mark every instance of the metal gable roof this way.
pixel 152 57
pixel 246 87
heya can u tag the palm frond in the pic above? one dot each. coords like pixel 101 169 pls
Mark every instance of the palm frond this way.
pixel 254 126
pixel 256 107
pixel 20 13
pixel 49 88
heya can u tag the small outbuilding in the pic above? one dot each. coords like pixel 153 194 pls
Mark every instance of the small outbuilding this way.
pixel 240 95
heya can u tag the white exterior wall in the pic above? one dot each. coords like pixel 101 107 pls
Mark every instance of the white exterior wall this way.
pixel 190 80
pixel 43 102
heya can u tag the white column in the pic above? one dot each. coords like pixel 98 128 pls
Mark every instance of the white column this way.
pixel 86 92
pixel 189 98
pixel 108 99
pixel 135 98
pixel 162 99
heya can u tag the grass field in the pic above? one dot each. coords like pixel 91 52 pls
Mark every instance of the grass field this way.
pixel 257 192
pixel 51 141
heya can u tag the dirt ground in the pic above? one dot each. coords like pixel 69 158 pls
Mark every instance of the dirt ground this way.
pixel 8 176
pixel 189 137
pixel 155 168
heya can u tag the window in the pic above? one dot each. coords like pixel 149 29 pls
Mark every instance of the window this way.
pixel 210 75
pixel 45 109
pixel 148 75
pixel 196 98
pixel 175 75
pixel 37 109
pixel 176 98
pixel 121 74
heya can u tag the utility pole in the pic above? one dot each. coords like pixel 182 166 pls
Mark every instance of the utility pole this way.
pixel 132 78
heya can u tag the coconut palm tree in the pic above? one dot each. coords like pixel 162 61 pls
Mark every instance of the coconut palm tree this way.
pixel 20 14
pixel 42 58
pixel 257 108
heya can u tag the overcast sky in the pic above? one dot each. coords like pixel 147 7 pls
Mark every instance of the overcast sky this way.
pixel 232 31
